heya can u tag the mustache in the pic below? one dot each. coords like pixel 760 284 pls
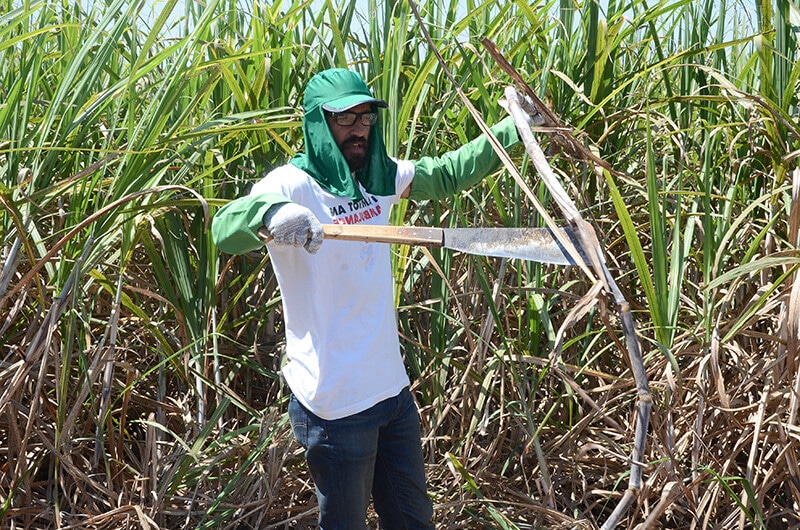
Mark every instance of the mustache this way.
pixel 354 139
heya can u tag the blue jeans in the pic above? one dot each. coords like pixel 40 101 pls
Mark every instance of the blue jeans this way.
pixel 376 451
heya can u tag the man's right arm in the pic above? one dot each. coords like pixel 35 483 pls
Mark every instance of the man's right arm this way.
pixel 235 226
pixel 438 178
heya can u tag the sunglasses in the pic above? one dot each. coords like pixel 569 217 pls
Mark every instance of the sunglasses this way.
pixel 346 119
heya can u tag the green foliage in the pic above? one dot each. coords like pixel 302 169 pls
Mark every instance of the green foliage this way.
pixel 140 366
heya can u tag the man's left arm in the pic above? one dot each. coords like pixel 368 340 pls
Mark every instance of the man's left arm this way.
pixel 235 226
pixel 441 177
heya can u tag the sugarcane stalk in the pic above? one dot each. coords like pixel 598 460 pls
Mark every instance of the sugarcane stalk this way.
pixel 591 248
pixel 586 236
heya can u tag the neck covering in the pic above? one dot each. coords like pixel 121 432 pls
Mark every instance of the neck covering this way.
pixel 339 89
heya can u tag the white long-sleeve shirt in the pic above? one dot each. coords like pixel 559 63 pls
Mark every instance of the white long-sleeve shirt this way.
pixel 341 324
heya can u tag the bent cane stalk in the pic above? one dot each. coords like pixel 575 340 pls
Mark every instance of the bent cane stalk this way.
pixel 591 248
pixel 589 244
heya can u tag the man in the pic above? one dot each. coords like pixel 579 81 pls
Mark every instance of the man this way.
pixel 350 405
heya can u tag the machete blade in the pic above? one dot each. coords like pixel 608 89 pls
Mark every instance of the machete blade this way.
pixel 534 244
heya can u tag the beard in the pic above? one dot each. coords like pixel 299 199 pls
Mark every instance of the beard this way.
pixel 356 152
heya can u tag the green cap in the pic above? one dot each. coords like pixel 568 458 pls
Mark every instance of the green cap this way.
pixel 338 90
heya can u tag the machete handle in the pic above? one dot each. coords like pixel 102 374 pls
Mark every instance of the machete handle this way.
pixel 404 235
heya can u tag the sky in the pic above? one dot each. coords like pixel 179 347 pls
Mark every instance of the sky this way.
pixel 153 7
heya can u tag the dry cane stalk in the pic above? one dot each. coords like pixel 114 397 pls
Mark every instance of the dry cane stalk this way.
pixel 591 248
pixel 586 235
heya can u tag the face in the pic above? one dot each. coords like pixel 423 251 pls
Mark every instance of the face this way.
pixel 353 140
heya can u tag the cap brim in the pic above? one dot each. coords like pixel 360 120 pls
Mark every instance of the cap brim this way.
pixel 348 102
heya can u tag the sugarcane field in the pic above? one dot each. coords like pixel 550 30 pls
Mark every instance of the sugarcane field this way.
pixel 583 217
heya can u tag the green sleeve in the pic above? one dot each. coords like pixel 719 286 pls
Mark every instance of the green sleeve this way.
pixel 235 225
pixel 440 177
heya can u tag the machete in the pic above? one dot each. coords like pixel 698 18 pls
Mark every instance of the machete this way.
pixel 533 244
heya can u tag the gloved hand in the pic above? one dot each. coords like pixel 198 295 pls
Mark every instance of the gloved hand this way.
pixel 534 117
pixel 290 224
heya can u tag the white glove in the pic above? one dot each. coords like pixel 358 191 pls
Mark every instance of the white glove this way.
pixel 292 224
pixel 534 117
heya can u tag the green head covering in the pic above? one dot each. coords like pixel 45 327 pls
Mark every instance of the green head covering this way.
pixel 338 90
